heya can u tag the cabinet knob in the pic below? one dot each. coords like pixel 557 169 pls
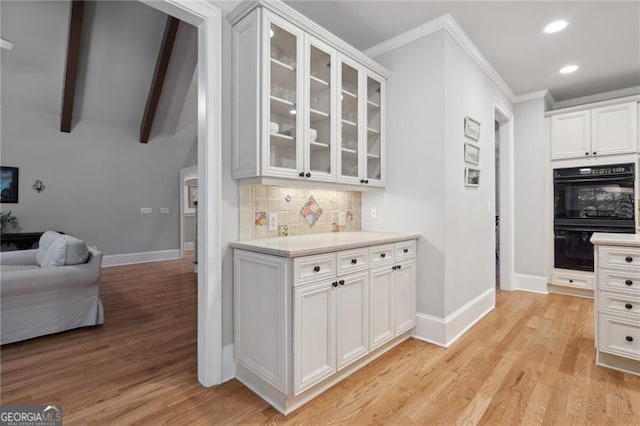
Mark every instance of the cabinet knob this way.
pixel 399 266
pixel 393 268
pixel 383 255
pixel 405 251
pixel 341 282
pixel 335 283
pixel 366 181
pixel 594 153
pixel 628 306
pixel 629 339
pixel 316 269
pixel 361 180
pixel 354 261
pixel 628 282
pixel 629 259
pixel 570 281
pixel 586 153
pixel 301 174
pixel 308 175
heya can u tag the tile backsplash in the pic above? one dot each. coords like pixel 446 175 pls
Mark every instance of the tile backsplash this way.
pixel 299 211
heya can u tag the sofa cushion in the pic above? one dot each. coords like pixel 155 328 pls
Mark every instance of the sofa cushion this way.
pixel 43 246
pixel 17 268
pixel 56 250
pixel 56 254
pixel 77 251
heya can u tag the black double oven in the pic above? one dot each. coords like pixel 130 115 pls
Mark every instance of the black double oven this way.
pixel 588 200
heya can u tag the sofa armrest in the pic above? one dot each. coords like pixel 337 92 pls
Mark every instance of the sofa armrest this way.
pixel 18 257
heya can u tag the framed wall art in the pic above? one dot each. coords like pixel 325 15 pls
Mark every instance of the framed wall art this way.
pixel 471 128
pixel 471 153
pixel 471 177
pixel 8 184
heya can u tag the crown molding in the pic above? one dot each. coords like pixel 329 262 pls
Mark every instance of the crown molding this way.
pixel 540 94
pixel 614 94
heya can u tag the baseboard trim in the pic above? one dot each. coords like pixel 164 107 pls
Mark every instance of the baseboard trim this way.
pixel 531 283
pixel 142 257
pixel 445 331
pixel 570 291
pixel 228 363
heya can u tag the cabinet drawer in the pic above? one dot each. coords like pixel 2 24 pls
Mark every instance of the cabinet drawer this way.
pixel 618 336
pixel 619 257
pixel 616 303
pixel 353 260
pixel 619 281
pixel 405 250
pixel 572 280
pixel 313 268
pixel 380 255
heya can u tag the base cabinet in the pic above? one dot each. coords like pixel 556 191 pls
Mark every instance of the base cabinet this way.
pixel 337 323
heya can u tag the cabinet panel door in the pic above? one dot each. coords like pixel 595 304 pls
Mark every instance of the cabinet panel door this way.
pixel 283 93
pixel 353 318
pixel 314 335
pixel 404 282
pixel 350 131
pixel 374 141
pixel 321 135
pixel 614 129
pixel 381 327
pixel 571 135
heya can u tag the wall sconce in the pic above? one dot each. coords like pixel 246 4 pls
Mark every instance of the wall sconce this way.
pixel 38 186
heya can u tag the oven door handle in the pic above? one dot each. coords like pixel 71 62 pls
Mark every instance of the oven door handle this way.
pixel 607 229
pixel 621 179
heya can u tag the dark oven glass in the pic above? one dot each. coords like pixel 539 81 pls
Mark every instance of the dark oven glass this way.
pixel 594 199
pixel 573 250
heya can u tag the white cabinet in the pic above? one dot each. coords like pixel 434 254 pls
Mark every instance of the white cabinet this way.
pixel 381 305
pixel 302 109
pixel 404 293
pixel 599 131
pixel 352 318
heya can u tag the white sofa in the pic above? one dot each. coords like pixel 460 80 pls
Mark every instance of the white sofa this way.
pixel 36 301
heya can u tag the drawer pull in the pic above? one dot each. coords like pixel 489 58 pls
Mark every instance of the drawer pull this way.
pixel 335 283
pixel 341 282
pixel 383 255
pixel 393 268
pixel 628 282
pixel 629 339
pixel 629 259
pixel 354 261
pixel 316 269
pixel 406 250
pixel 399 266
pixel 570 281
pixel 628 306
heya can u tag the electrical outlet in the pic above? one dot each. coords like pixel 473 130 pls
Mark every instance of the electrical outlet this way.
pixel 146 210
pixel 374 213
pixel 273 221
pixel 342 218
pixel 164 210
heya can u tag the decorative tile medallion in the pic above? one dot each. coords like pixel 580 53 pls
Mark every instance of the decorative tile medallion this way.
pixel 261 218
pixel 349 216
pixel 335 227
pixel 311 211
pixel 283 230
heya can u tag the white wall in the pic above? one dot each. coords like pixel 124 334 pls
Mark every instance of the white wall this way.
pixel 529 188
pixel 413 201
pixel 97 178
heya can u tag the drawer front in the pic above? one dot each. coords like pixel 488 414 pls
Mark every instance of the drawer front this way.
pixel 381 255
pixel 619 257
pixel 353 260
pixel 312 268
pixel 619 281
pixel 619 337
pixel 572 280
pixel 617 303
pixel 405 250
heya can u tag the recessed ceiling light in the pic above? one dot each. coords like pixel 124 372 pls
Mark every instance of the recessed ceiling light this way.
pixel 555 26
pixel 568 69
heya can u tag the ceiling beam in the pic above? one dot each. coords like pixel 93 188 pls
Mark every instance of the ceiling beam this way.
pixel 170 31
pixel 73 56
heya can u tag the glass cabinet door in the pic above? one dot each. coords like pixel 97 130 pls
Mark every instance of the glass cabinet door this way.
pixel 350 116
pixel 320 147
pixel 374 146
pixel 283 154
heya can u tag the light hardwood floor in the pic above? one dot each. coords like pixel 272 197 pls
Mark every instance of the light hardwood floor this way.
pixel 531 361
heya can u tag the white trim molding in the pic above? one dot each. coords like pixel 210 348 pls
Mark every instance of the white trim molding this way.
pixel 228 363
pixel 540 94
pixel 445 331
pixel 614 94
pixel 531 283
pixel 141 257
pixel 448 23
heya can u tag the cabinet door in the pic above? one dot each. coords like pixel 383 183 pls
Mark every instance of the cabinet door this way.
pixel 350 132
pixel 314 334
pixel 381 321
pixel 320 138
pixel 283 81
pixel 352 318
pixel 571 135
pixel 404 282
pixel 614 129
pixel 374 141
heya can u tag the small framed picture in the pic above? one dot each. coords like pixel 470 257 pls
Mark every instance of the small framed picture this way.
pixel 9 184
pixel 471 128
pixel 471 153
pixel 471 177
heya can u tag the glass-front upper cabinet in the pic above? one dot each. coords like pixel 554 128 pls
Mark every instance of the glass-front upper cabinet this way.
pixel 373 154
pixel 283 45
pixel 351 117
pixel 320 147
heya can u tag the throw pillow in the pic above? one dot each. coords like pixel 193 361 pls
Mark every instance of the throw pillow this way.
pixel 44 244
pixel 56 254
pixel 77 251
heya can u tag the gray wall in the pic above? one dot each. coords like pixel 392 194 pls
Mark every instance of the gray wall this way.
pixel 529 188
pixel 97 178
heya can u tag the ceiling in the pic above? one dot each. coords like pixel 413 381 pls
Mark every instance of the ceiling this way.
pixel 603 37
pixel 119 51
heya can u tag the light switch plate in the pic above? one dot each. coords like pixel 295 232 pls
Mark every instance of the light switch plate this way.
pixel 145 210
pixel 374 213
pixel 273 221
pixel 342 219
pixel 164 210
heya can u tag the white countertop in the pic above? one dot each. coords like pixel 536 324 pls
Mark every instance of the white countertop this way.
pixel 305 245
pixel 630 240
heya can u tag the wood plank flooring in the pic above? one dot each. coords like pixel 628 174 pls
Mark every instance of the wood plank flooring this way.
pixel 530 361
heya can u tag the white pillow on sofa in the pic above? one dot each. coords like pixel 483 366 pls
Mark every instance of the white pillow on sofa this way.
pixel 56 250
pixel 56 254
pixel 77 251
pixel 46 240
